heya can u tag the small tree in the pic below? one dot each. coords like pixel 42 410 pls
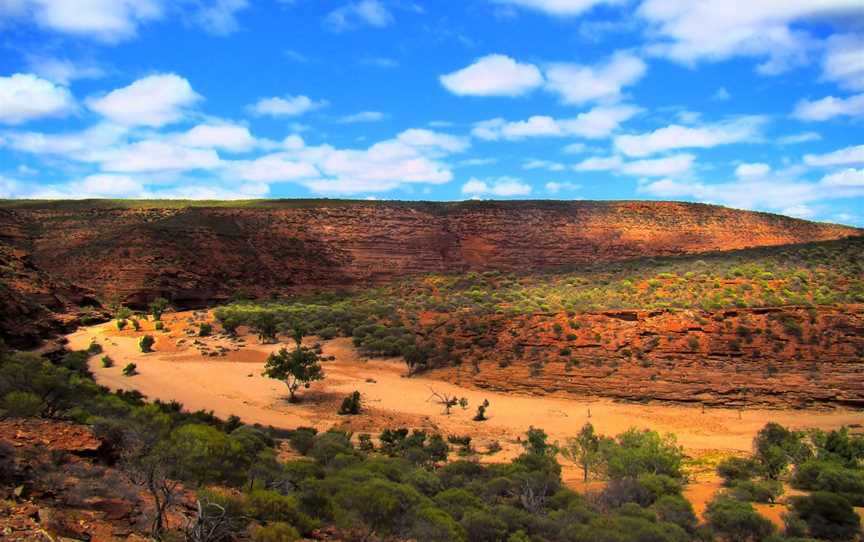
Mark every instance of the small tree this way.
pixel 266 326
pixel 130 370
pixel 351 405
pixel 296 368
pixel 107 362
pixel 121 324
pixel 157 307
pixel 584 450
pixel 536 442
pixel 146 343
pixel 828 516
pixel 205 330
pixel 463 402
pixel 481 411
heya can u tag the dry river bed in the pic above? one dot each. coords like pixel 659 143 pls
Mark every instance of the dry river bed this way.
pixel 224 375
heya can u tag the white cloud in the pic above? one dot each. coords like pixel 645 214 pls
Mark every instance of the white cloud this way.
pixel 599 163
pixel 779 193
pixel 63 70
pixel 155 100
pixel 830 107
pixel 574 148
pixel 152 156
pixel 353 14
pixel 502 186
pixel 380 62
pixel 289 106
pixel 719 29
pixel 219 17
pixel 277 167
pixel 659 167
pixel 103 20
pixel 363 116
pixel 841 157
pixel 560 8
pixel 721 95
pixel 72 145
pixel 493 75
pixel 752 171
pixel 228 137
pixel 803 137
pixel 744 129
pixel 25 97
pixel 107 186
pixel 674 165
pixel 847 177
pixel 577 84
pixel 843 62
pixel 542 164
pixel 554 187
pixel 593 124
pixel 432 141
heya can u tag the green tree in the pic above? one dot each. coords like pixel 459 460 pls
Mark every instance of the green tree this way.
pixel 775 447
pixel 636 452
pixel 298 367
pixel 584 450
pixel 204 455
pixel 737 521
pixel 828 516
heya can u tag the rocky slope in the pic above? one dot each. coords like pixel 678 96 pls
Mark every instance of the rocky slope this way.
pixel 199 255
pixel 779 356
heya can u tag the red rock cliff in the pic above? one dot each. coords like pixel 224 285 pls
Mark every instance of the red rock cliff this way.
pixel 198 254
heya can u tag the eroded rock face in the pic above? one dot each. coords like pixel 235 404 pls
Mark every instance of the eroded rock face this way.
pixel 784 356
pixel 196 256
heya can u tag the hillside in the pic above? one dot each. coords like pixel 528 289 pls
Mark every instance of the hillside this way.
pixel 201 253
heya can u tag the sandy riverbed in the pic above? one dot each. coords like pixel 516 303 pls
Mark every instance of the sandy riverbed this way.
pixel 232 384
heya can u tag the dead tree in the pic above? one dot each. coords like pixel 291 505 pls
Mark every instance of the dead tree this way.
pixel 446 401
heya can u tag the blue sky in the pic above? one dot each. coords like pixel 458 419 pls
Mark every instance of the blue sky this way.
pixel 754 104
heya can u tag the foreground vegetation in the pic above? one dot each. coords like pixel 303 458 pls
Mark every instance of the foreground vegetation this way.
pixel 403 484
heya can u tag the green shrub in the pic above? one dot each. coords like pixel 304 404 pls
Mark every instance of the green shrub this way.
pixel 146 343
pixel 205 329
pixel 94 348
pixel 678 510
pixel 762 491
pixel 737 520
pixel 828 516
pixel 269 506
pixel 733 469
pixel 22 404
pixel 816 475
pixel 350 405
pixel 107 362
pixel 121 324
pixel 275 532
pixel 130 370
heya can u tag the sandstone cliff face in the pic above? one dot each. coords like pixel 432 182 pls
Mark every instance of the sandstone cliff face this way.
pixel 782 356
pixel 199 255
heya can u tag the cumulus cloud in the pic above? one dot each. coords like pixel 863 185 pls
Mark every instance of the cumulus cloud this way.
pixel 752 171
pixel 354 14
pixel 847 177
pixel 72 144
pixel 102 20
pixel 577 84
pixel 830 107
pixel 674 165
pixel 502 186
pixel 843 62
pixel 712 30
pixel 154 101
pixel 803 137
pixel 593 124
pixel 25 97
pixel 63 70
pixel 363 116
pixel 289 106
pixel 153 156
pixel 740 130
pixel 219 17
pixel 554 187
pixel 493 75
pixel 542 164
pixel 224 136
pixel 840 157
pixel 560 8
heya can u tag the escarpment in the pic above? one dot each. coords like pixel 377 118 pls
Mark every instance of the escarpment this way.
pixel 198 255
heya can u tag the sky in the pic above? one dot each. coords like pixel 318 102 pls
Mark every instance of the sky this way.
pixel 755 104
